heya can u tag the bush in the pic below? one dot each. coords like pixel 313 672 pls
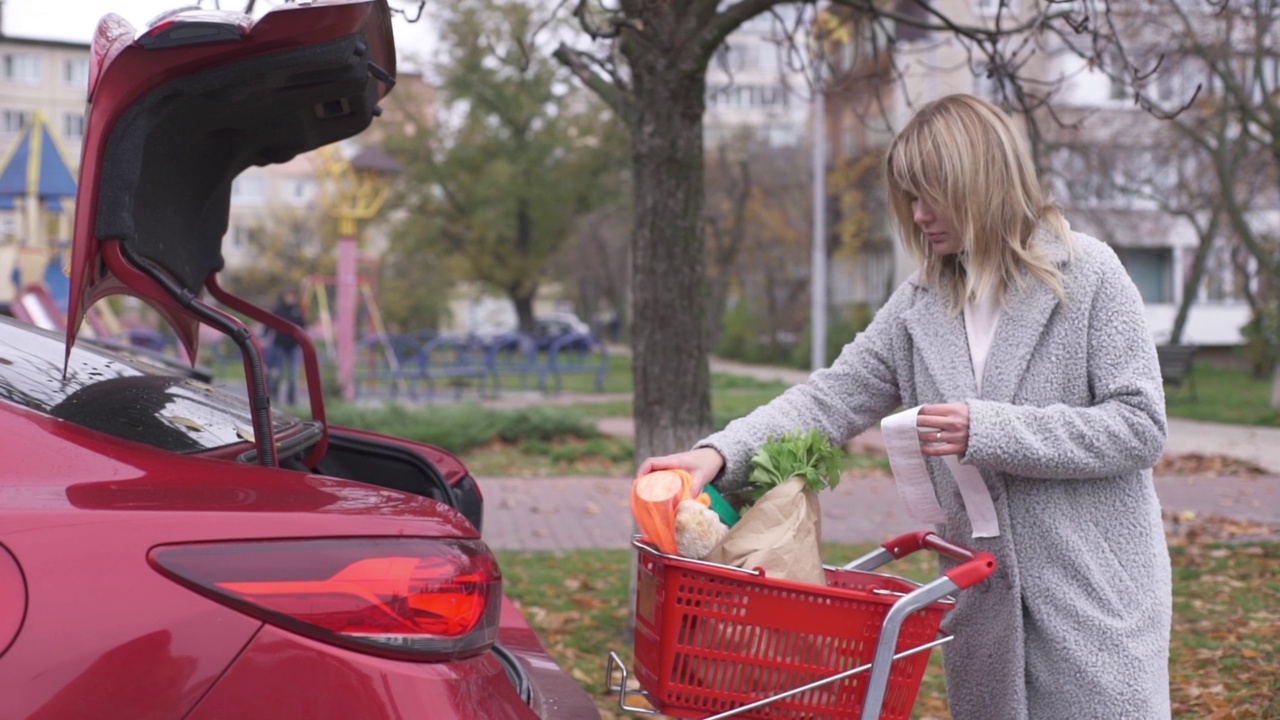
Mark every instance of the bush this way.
pixel 842 325
pixel 1261 338
pixel 743 340
pixel 459 428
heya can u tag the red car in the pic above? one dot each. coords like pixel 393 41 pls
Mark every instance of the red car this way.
pixel 171 550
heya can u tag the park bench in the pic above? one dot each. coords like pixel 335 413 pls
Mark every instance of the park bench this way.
pixel 577 353
pixel 1176 365
pixel 515 354
pixel 456 360
pixel 388 360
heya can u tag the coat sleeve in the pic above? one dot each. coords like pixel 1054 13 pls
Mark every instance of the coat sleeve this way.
pixel 858 389
pixel 1122 431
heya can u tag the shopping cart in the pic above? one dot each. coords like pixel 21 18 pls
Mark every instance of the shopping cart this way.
pixel 716 639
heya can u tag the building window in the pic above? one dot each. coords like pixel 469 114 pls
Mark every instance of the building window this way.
pixel 75 72
pixel 987 84
pixel 249 190
pixel 989 8
pixel 1151 270
pixel 243 237
pixel 1227 273
pixel 748 96
pixel 25 69
pixel 73 127
pixel 301 191
pixel 13 122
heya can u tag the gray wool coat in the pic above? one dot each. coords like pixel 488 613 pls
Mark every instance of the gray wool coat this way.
pixel 1074 624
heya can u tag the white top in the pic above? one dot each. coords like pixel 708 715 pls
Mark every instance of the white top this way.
pixel 980 317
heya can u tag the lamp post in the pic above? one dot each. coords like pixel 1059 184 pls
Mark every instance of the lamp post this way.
pixel 818 246
pixel 351 191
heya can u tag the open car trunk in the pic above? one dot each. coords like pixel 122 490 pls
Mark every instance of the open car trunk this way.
pixel 175 114
pixel 386 462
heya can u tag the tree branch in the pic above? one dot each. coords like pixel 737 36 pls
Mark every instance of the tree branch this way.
pixel 581 64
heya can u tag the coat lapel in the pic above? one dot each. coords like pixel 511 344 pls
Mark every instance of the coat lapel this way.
pixel 1023 318
pixel 940 336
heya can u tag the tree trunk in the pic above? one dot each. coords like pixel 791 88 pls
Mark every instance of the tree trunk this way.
pixel 672 402
pixel 523 301
pixel 1192 286
pixel 1275 388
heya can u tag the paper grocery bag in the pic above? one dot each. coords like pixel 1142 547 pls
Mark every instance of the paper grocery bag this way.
pixel 779 534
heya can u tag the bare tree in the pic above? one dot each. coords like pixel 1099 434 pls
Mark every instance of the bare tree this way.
pixel 1210 70
pixel 648 61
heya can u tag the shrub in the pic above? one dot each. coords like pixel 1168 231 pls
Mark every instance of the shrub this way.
pixel 459 428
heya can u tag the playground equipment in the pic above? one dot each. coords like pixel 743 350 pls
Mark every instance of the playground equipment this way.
pixel 352 190
pixel 316 291
pixel 36 186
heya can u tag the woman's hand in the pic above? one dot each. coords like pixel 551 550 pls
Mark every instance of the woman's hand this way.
pixel 943 429
pixel 702 464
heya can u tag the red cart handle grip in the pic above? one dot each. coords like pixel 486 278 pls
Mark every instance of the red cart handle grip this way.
pixel 974 566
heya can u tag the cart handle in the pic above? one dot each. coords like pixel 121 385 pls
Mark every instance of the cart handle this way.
pixel 974 566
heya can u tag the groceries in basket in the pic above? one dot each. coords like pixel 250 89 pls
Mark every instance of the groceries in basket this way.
pixel 655 498
pixel 779 529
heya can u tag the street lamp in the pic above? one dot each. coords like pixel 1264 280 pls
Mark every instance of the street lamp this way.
pixel 818 246
pixel 351 191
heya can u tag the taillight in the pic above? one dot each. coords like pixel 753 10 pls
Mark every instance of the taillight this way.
pixel 412 598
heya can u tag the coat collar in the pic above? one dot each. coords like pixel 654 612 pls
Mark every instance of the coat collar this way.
pixel 942 340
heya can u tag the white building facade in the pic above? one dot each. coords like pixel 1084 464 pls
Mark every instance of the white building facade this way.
pixel 1105 160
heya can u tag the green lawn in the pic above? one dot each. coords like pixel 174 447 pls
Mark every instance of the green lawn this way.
pixel 1225 395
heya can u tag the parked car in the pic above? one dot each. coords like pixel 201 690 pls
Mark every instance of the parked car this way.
pixel 549 327
pixel 172 550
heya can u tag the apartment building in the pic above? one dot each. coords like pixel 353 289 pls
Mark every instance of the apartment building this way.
pixel 757 85
pixel 1105 160
pixel 45 78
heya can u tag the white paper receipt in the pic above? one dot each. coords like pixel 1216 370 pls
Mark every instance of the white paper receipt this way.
pixel 902 441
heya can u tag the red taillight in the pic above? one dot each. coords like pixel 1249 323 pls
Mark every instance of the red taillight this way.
pixel 415 598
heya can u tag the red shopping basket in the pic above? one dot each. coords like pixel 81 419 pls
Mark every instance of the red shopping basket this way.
pixel 711 638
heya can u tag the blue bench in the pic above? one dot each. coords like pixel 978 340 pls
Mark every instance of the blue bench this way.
pixel 388 359
pixel 455 359
pixel 515 354
pixel 577 353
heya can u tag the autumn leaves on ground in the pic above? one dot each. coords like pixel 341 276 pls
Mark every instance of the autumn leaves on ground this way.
pixel 1225 654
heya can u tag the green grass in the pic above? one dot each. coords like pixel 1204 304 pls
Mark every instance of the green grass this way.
pixel 1225 395
pixel 1225 652
pixel 617 378
pixel 460 428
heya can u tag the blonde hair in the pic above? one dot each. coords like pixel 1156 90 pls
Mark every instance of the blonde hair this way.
pixel 964 157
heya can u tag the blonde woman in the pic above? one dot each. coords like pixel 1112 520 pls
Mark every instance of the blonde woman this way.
pixel 1027 347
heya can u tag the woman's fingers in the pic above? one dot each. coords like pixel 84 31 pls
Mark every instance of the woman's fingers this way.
pixel 943 429
pixel 702 464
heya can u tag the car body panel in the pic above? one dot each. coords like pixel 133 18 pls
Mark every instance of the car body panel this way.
pixel 295 677
pixel 110 500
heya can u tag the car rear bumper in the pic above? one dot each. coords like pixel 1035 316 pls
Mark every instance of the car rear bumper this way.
pixel 281 674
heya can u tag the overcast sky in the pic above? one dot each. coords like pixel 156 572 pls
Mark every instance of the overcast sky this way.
pixel 75 20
